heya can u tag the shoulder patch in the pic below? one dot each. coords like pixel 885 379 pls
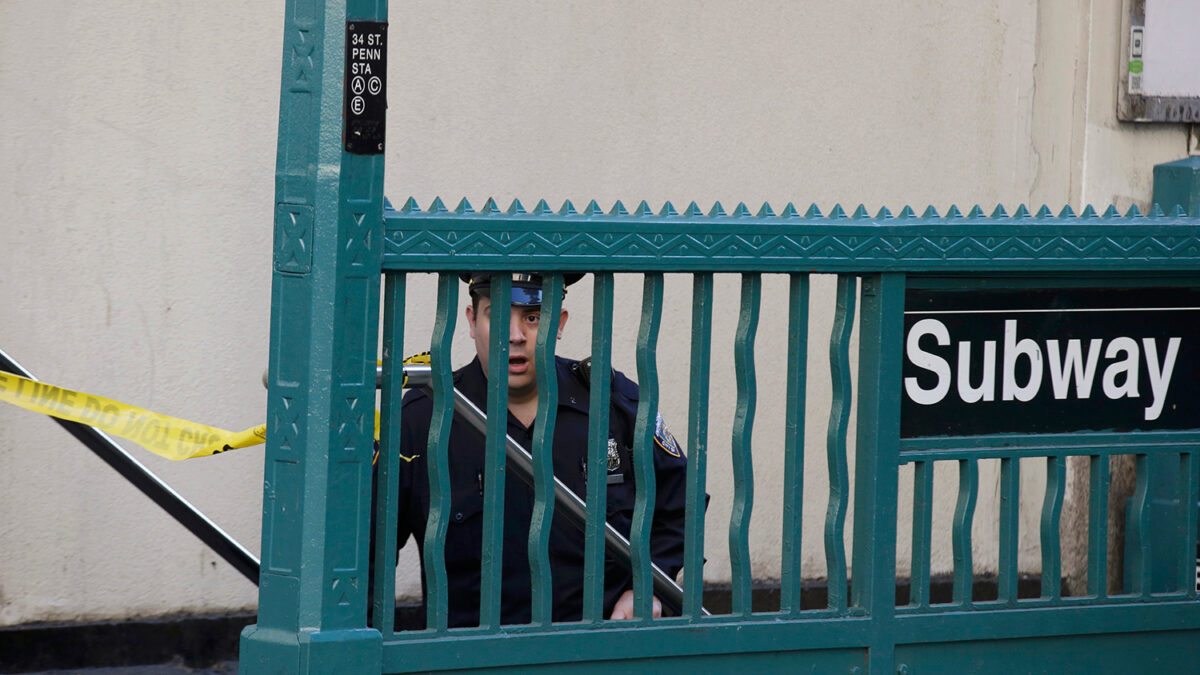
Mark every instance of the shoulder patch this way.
pixel 664 439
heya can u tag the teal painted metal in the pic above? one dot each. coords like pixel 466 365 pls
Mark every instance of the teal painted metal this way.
pixel 388 460
pixel 743 427
pixel 698 383
pixel 883 641
pixel 543 447
pixel 864 628
pixel 1056 481
pixel 922 533
pixel 1177 186
pixel 437 614
pixel 491 565
pixel 321 390
pixel 964 515
pixel 790 572
pixel 835 443
pixel 434 239
pixel 643 447
pixel 334 237
pixel 598 418
pixel 1010 510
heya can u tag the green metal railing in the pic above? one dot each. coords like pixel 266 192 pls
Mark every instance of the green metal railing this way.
pixel 891 253
pixel 334 239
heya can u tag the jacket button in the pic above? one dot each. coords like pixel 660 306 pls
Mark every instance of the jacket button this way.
pixel 458 517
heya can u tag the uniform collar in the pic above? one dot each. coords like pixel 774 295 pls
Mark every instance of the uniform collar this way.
pixel 572 392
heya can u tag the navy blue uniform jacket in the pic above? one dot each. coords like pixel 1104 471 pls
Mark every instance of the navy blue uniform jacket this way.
pixel 465 529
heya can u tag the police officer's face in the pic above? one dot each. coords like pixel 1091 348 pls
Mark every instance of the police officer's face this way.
pixel 522 339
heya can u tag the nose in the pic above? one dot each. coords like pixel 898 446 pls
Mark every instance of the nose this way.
pixel 515 332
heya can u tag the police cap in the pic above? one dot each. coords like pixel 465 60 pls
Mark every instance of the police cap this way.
pixel 526 287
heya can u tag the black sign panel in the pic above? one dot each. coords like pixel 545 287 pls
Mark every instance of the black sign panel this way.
pixel 1050 361
pixel 365 100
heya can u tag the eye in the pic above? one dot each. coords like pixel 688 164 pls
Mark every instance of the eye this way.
pixel 532 318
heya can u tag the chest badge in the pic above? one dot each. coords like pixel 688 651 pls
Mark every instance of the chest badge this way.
pixel 614 457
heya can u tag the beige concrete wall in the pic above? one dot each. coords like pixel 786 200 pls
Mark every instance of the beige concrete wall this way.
pixel 136 172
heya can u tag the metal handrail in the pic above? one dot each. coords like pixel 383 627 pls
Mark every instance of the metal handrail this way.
pixel 520 462
pixel 153 487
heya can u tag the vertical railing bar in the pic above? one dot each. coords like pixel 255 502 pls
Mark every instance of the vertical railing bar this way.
pixel 1098 484
pixel 387 479
pixel 437 610
pixel 1050 523
pixel 839 421
pixel 922 529
pixel 793 445
pixel 1188 487
pixel 693 544
pixel 743 428
pixel 964 516
pixel 492 561
pixel 542 591
pixel 598 435
pixel 643 446
pixel 1010 527
pixel 1138 528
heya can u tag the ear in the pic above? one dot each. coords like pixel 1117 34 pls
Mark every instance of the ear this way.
pixel 562 323
pixel 470 312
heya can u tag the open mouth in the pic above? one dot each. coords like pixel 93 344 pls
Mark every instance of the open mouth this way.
pixel 518 364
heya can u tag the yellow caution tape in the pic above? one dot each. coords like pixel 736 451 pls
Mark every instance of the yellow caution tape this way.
pixel 163 435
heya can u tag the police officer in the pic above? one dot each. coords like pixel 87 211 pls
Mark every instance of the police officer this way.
pixel 466 458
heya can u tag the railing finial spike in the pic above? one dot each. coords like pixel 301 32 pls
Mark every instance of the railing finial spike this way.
pixel 516 208
pixel 542 208
pixel 1112 212
pixel 813 211
pixel 567 208
pixel 643 209
pixel 490 206
pixel 1021 213
pixel 716 211
pixel 1088 212
pixel 907 212
pixel 1179 212
pixel 930 212
pixel 437 206
pixel 953 212
pixel 693 209
pixel 765 211
pixel 1134 212
pixel 999 212
pixel 464 207
pixel 837 213
pixel 618 209
pixel 668 209
pixel 860 213
pixel 1044 212
pixel 976 212
pixel 1156 211
pixel 410 206
pixel 593 209
pixel 789 211
pixel 883 214
pixel 1067 212
pixel 740 211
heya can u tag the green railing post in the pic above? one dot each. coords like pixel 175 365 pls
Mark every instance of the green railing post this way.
pixel 876 469
pixel 324 325
pixel 1176 186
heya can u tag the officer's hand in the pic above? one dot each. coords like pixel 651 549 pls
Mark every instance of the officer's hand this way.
pixel 624 607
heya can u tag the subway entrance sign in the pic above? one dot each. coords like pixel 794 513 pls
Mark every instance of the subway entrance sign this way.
pixel 1033 361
